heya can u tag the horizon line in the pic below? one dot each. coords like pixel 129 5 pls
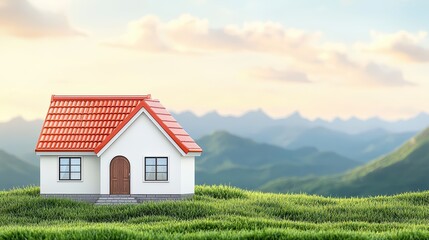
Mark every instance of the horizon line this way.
pixel 291 114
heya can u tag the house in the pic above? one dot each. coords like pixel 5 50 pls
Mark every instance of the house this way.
pixel 98 146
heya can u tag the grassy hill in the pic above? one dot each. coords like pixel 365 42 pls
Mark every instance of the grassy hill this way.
pixel 15 172
pixel 354 138
pixel 229 159
pixel 217 212
pixel 405 169
pixel 362 147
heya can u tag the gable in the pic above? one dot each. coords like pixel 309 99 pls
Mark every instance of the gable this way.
pixel 141 136
pixel 143 120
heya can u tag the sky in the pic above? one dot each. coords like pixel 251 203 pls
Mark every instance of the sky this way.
pixel 327 59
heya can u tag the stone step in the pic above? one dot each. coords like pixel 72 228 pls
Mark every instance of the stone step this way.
pixel 113 200
pixel 118 203
pixel 107 198
pixel 116 199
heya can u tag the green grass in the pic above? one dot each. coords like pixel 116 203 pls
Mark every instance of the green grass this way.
pixel 217 212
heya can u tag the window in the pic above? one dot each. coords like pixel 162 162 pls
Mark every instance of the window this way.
pixel 70 168
pixel 156 169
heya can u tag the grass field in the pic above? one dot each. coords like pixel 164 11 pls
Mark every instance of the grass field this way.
pixel 217 212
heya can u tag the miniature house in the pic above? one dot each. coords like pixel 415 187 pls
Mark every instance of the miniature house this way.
pixel 96 146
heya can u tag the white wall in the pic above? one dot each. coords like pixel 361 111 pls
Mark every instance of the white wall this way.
pixel 188 175
pixel 49 176
pixel 143 139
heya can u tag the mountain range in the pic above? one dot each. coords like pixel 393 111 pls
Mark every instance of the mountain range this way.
pixel 362 140
pixel 363 146
pixel 241 162
pixel 255 151
pixel 405 169
pixel 227 159
pixel 256 122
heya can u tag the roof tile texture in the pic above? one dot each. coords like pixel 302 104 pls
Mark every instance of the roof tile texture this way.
pixel 85 123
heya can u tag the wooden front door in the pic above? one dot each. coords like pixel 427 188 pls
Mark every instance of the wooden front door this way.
pixel 119 176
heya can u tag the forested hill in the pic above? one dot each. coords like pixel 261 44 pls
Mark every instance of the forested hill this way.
pixel 404 170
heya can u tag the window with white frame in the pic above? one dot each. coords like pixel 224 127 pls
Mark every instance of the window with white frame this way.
pixel 156 169
pixel 70 168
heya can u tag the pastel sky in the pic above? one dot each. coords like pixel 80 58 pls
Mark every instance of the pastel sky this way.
pixel 323 58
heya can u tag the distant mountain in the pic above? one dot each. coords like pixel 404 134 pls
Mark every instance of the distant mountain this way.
pixel 229 159
pixel 362 140
pixel 19 138
pixel 356 125
pixel 363 146
pixel 212 122
pixel 15 172
pixel 254 122
pixel 405 169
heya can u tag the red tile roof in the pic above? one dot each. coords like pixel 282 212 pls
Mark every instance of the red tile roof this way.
pixel 88 123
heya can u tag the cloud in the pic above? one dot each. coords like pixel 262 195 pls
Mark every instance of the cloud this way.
pixel 144 34
pixel 21 19
pixel 340 66
pixel 402 45
pixel 188 34
pixel 302 50
pixel 385 75
pixel 272 74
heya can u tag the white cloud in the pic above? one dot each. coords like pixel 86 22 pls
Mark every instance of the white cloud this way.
pixel 145 35
pixel 402 45
pixel 188 34
pixel 304 51
pixel 385 75
pixel 21 19
pixel 367 73
pixel 272 74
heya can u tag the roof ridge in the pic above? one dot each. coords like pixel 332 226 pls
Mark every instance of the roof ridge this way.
pixel 100 97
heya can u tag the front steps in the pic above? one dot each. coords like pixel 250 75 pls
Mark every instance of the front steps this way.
pixel 116 199
pixel 105 199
